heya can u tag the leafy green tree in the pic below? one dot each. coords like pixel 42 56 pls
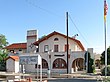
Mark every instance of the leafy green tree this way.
pixel 3 52
pixel 3 41
pixel 42 37
pixel 103 57
pixel 108 71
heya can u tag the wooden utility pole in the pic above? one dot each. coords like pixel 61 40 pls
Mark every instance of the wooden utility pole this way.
pixel 67 38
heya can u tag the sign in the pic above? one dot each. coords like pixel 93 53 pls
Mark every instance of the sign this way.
pixel 32 60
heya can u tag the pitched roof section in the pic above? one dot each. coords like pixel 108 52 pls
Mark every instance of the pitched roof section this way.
pixel 57 33
pixel 17 46
pixel 15 58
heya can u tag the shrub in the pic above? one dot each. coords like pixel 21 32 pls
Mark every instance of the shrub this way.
pixel 108 71
pixel 90 63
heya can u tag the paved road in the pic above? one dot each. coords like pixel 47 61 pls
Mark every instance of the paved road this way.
pixel 73 80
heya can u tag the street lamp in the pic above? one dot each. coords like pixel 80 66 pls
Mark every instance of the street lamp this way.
pixel 74 36
pixel 49 69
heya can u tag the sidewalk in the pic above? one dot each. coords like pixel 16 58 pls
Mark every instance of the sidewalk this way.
pixel 84 75
pixel 77 75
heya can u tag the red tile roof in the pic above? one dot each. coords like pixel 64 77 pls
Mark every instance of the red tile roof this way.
pixel 57 33
pixel 17 46
pixel 15 58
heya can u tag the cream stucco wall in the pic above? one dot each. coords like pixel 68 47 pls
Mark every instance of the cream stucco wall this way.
pixel 74 51
pixel 31 38
pixel 75 55
pixel 61 42
pixel 18 50
pixel 12 66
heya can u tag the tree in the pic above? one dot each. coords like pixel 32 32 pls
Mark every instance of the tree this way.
pixel 42 37
pixel 103 57
pixel 3 41
pixel 3 52
pixel 90 63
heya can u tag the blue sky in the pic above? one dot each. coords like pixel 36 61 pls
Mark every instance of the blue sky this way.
pixel 18 16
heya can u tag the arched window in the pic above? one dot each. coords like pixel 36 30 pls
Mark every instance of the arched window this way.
pixel 56 39
pixel 44 63
pixel 59 63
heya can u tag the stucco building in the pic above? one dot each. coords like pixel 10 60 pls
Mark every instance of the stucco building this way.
pixel 12 64
pixel 53 50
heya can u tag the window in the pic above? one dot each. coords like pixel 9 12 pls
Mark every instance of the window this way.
pixel 55 48
pixel 37 65
pixel 59 63
pixel 56 39
pixel 44 64
pixel 37 50
pixel 66 47
pixel 20 49
pixel 46 48
pixel 12 51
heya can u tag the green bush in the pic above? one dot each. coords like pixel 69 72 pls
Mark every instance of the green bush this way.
pixel 108 71
pixel 90 63
pixel 2 66
pixel 93 66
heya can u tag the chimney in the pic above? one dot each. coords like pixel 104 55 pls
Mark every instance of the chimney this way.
pixel 31 38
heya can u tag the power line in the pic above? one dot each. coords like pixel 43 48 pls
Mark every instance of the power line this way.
pixel 45 10
pixel 78 29
pixel 52 13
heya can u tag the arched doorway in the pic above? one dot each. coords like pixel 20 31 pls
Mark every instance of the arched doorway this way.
pixel 59 64
pixel 44 64
pixel 78 64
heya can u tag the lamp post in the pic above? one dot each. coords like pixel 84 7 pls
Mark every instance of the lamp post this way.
pixel 49 69
pixel 75 36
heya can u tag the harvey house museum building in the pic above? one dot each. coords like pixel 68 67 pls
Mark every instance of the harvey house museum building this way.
pixel 53 50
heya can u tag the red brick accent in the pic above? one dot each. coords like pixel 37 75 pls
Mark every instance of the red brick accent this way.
pixel 15 58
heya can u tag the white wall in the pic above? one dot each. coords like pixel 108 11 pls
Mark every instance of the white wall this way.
pixel 73 55
pixel 31 38
pixel 17 50
pixel 29 68
pixel 61 42
pixel 16 66
pixel 10 65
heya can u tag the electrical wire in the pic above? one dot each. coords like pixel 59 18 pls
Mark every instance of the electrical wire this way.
pixel 45 10
pixel 78 29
